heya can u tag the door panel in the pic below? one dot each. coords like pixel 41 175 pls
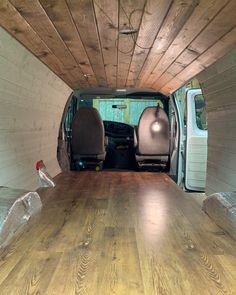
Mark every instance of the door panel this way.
pixel 196 142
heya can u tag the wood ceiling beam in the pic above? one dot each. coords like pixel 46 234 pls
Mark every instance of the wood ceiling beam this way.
pixel 177 15
pixel 59 14
pixel 176 38
pixel 83 15
pixel 201 16
pixel 223 23
pixel 107 20
pixel 35 15
pixel 153 16
pixel 132 9
pixel 17 26
pixel 218 50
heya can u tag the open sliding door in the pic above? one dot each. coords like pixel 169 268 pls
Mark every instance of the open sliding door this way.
pixel 196 141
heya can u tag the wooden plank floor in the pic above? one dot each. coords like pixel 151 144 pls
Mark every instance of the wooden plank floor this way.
pixel 119 233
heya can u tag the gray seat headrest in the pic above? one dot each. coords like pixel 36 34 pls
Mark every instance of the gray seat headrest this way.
pixel 88 133
pixel 153 132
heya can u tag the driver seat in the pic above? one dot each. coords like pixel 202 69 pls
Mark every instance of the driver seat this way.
pixel 88 136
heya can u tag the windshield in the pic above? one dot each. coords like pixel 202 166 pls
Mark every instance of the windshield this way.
pixel 126 110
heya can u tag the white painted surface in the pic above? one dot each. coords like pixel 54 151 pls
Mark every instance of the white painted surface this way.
pixel 219 88
pixel 196 148
pixel 32 99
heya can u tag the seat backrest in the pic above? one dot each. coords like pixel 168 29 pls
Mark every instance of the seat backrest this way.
pixel 87 133
pixel 153 132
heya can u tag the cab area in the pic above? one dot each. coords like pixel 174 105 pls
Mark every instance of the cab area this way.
pixel 127 129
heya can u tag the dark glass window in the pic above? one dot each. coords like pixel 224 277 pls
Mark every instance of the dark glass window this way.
pixel 200 108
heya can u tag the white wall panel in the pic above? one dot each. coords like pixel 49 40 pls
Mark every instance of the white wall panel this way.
pixel 218 83
pixel 32 99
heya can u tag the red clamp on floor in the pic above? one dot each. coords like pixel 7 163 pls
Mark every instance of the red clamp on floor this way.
pixel 45 180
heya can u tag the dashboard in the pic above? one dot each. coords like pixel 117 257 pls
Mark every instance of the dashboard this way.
pixel 118 130
pixel 120 147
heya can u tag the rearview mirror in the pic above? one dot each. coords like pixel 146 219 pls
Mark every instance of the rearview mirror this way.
pixel 119 106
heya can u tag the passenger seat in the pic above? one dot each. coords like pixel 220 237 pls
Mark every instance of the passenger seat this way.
pixel 152 142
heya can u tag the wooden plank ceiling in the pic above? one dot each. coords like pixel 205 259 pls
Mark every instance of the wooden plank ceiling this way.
pixel 81 40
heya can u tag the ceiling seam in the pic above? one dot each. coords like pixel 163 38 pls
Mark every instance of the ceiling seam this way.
pixel 63 42
pixel 99 40
pixel 117 44
pixel 82 42
pixel 144 7
pixel 168 10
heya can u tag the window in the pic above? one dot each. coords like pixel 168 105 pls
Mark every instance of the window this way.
pixel 71 111
pixel 123 110
pixel 200 112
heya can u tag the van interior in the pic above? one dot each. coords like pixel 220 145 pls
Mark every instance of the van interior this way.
pixel 117 147
pixel 124 131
